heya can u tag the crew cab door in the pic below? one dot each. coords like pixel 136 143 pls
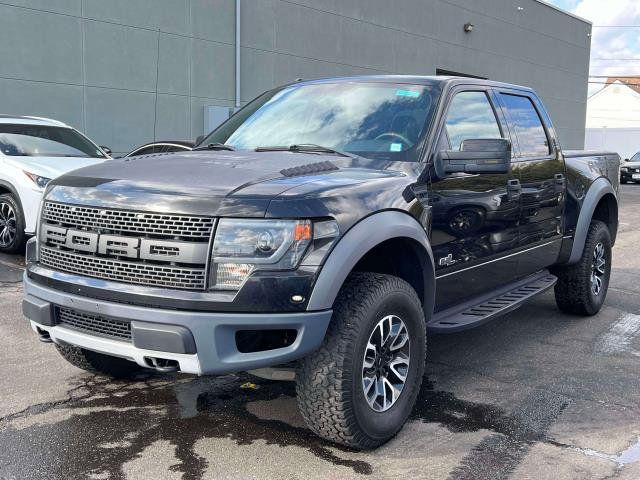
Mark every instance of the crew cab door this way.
pixel 475 216
pixel 539 164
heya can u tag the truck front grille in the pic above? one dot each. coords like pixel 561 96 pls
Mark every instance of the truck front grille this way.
pixel 102 326
pixel 129 272
pixel 128 222
pixel 141 248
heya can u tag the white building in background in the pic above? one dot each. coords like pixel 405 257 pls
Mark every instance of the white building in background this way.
pixel 613 117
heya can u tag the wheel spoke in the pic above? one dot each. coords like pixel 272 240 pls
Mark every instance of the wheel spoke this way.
pixel 401 336
pixel 370 356
pixel 399 366
pixel 394 392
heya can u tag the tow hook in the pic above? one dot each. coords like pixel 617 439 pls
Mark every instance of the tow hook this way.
pixel 44 336
pixel 162 364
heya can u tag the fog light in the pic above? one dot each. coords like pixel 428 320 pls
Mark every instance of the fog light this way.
pixel 232 275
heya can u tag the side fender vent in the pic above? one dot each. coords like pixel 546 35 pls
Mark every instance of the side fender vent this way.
pixel 309 169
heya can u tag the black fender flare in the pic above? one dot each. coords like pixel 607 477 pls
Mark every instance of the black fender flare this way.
pixel 357 242
pixel 598 189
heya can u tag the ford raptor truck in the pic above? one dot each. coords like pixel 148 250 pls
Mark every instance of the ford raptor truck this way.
pixel 321 234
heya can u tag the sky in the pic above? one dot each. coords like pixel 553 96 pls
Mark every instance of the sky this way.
pixel 615 48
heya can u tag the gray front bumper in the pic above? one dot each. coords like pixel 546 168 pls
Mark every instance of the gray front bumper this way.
pixel 173 331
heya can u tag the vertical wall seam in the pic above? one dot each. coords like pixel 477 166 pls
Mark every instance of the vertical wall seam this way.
pixel 83 67
pixel 238 36
pixel 155 106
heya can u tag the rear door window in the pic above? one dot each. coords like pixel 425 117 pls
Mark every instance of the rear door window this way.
pixel 532 138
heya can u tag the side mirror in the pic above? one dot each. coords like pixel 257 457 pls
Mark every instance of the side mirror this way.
pixel 199 139
pixel 483 155
pixel 627 160
pixel 106 150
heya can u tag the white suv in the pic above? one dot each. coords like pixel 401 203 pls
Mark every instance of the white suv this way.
pixel 33 151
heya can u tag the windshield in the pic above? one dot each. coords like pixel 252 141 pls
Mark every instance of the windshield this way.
pixel 636 157
pixel 376 120
pixel 45 141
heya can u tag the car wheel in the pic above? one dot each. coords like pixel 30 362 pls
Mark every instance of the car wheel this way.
pixel 582 287
pixel 98 363
pixel 360 386
pixel 12 235
pixel 465 221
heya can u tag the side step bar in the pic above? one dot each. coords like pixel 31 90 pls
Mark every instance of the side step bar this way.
pixel 482 309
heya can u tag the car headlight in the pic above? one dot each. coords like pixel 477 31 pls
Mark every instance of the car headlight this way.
pixel 242 246
pixel 41 182
pixel 624 169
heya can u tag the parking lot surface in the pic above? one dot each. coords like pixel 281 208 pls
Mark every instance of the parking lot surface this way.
pixel 533 395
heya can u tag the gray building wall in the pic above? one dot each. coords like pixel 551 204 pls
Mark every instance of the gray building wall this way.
pixel 129 71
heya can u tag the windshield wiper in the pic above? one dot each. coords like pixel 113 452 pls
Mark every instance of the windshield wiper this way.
pixel 305 148
pixel 215 146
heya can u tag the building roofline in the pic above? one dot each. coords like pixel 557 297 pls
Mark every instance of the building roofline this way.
pixel 577 17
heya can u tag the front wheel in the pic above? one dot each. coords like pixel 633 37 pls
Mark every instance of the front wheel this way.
pixel 360 386
pixel 582 287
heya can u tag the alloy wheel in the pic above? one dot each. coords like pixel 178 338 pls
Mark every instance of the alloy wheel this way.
pixel 598 269
pixel 7 225
pixel 385 364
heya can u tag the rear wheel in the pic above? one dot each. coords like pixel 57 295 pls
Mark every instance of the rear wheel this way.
pixel 582 287
pixel 12 235
pixel 360 386
pixel 98 363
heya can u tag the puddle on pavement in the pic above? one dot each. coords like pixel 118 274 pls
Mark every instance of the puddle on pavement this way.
pixel 626 457
pixel 106 424
pixel 112 423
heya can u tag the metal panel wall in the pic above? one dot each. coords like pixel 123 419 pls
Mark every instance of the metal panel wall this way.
pixel 129 71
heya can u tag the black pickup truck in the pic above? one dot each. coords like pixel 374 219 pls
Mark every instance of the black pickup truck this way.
pixel 321 234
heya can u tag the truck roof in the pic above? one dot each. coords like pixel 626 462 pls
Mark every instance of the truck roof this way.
pixel 416 80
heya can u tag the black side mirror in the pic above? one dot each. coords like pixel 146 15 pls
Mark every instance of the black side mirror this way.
pixel 483 155
pixel 106 150
pixel 199 139
pixel 627 160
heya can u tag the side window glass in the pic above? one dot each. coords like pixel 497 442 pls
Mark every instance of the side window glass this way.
pixel 532 138
pixel 470 116
pixel 146 151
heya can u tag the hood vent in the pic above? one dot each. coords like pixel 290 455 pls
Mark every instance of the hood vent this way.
pixel 309 169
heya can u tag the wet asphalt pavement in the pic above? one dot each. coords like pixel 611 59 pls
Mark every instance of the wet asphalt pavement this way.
pixel 534 395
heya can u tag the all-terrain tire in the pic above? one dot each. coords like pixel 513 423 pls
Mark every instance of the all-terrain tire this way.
pixel 330 388
pixel 573 291
pixel 98 363
pixel 10 208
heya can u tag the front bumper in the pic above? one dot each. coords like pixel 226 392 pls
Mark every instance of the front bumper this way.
pixel 200 342
pixel 628 175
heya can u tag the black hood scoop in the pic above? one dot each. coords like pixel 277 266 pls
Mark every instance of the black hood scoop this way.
pixel 309 169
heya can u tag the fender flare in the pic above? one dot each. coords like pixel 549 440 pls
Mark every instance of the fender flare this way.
pixel 11 188
pixel 598 189
pixel 357 242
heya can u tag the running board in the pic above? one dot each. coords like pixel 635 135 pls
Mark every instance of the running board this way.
pixel 482 309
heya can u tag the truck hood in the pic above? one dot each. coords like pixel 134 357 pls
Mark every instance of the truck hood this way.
pixel 630 165
pixel 220 183
pixel 50 167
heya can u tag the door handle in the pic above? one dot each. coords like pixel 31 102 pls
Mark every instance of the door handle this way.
pixel 514 189
pixel 559 178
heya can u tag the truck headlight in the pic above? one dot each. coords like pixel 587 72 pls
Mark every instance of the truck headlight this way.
pixel 242 246
pixel 624 169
